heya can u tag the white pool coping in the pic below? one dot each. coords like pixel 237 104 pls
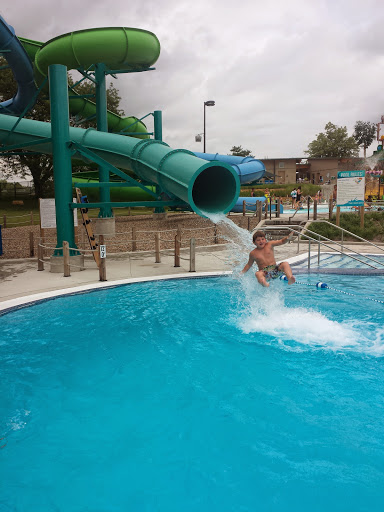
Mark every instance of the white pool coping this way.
pixel 23 301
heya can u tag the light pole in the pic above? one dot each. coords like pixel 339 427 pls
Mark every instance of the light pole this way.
pixel 207 104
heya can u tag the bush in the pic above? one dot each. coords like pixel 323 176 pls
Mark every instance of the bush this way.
pixel 279 190
pixel 373 227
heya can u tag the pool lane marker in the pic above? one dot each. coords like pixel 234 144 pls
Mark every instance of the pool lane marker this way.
pixel 325 286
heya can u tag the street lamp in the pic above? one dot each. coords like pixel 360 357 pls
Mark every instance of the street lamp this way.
pixel 207 104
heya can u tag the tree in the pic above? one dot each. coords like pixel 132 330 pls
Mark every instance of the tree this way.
pixel 364 135
pixel 40 166
pixel 239 151
pixel 335 143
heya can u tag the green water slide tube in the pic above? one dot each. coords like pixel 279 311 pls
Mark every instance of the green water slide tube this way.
pixel 208 187
pixel 117 193
pixel 121 48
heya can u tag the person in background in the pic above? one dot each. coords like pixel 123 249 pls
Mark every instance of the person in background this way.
pixel 293 196
pixel 298 195
pixel 253 192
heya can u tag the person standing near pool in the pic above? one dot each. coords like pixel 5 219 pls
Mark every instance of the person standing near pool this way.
pixel 264 258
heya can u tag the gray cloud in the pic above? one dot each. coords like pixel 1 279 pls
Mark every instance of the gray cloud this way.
pixel 278 72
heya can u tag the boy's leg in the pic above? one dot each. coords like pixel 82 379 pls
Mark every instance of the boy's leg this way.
pixel 286 268
pixel 260 276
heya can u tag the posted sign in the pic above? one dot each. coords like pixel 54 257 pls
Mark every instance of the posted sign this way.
pixel 48 213
pixel 350 188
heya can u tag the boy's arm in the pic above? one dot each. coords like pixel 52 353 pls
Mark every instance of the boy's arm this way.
pixel 282 241
pixel 248 265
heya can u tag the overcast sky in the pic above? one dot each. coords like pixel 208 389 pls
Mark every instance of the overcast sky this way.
pixel 278 71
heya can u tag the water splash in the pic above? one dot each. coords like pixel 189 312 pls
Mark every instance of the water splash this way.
pixel 239 240
pixel 299 328
pixel 263 310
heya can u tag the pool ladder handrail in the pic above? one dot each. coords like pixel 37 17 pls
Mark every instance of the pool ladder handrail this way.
pixel 349 233
pixel 309 238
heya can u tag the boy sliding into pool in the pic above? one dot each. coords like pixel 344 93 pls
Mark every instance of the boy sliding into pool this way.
pixel 264 257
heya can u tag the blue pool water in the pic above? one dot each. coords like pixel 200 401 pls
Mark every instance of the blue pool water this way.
pixel 195 395
pixel 321 208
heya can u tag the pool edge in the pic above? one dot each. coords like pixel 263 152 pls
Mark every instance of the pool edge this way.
pixel 28 300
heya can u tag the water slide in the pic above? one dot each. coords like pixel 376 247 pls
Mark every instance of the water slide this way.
pixel 249 169
pixel 81 49
pixel 22 69
pixel 208 187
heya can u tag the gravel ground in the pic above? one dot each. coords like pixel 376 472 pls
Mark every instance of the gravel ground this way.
pixel 17 241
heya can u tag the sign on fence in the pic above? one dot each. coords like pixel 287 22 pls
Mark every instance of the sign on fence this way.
pixel 48 213
pixel 350 188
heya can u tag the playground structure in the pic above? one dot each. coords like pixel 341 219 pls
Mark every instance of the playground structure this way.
pixel 120 147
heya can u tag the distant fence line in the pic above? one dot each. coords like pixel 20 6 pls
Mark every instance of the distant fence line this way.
pixel 25 244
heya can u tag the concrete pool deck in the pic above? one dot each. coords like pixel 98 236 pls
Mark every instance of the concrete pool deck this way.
pixel 20 278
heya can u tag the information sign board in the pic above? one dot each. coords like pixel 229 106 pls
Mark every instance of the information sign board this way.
pixel 350 188
pixel 48 213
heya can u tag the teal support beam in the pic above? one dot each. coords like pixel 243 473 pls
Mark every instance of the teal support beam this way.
pixel 62 168
pixel 158 135
pixel 102 126
pixel 158 125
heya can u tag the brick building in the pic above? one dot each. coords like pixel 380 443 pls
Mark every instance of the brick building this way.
pixel 313 170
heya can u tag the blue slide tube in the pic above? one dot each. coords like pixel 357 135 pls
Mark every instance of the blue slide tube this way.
pixel 22 69
pixel 249 169
pixel 252 204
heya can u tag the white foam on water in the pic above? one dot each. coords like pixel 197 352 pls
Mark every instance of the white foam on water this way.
pixel 263 310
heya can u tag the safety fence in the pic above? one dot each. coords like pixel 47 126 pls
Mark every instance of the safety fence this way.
pixel 27 219
pixel 66 252
pixel 24 244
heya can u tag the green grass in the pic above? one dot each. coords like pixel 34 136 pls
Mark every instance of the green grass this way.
pixel 373 227
pixel 307 189
pixel 20 215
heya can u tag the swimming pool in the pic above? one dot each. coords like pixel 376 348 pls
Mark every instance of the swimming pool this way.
pixel 202 394
pixel 321 208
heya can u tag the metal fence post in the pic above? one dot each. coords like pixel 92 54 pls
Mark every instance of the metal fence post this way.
pixel 157 248
pixel 102 258
pixel 40 256
pixel 31 245
pixel 67 269
pixel 177 251
pixel 192 256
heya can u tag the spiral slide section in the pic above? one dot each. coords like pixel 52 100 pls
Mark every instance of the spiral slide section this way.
pixel 179 172
pixel 208 187
pixel 22 69
pixel 122 48
pixel 249 169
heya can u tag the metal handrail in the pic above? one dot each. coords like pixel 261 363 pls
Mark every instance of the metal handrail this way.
pixel 299 233
pixel 349 233
pixel 341 252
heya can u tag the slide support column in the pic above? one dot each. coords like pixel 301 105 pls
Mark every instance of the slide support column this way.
pixel 102 126
pixel 62 167
pixel 158 135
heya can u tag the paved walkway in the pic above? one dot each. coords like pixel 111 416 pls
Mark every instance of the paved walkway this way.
pixel 20 278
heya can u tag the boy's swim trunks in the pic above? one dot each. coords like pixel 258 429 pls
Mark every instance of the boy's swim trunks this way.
pixel 272 272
